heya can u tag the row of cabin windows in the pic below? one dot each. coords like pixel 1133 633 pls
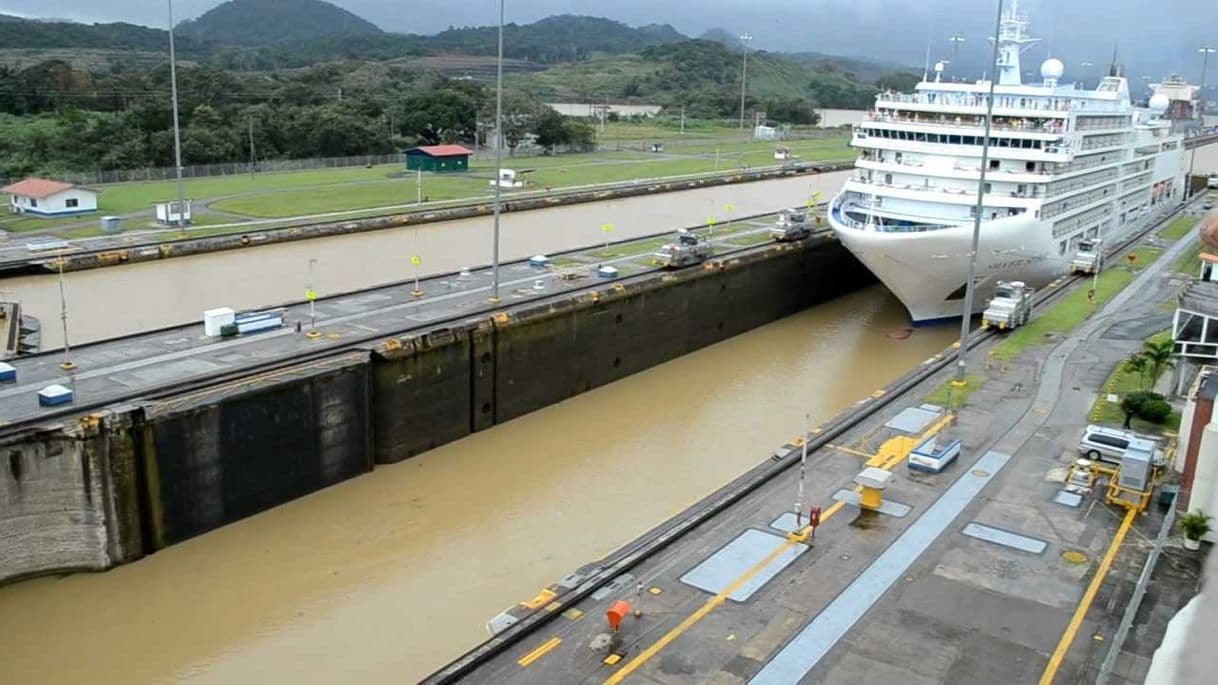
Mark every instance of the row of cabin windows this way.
pixel 947 139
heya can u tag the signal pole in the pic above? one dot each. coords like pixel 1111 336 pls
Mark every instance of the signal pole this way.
pixel 744 74
pixel 970 285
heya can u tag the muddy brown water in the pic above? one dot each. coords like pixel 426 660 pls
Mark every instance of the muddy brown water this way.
pixel 391 575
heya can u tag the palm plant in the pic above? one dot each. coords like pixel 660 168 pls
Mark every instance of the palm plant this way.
pixel 1158 354
pixel 1137 364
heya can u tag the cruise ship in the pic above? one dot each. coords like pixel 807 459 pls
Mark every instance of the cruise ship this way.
pixel 1064 164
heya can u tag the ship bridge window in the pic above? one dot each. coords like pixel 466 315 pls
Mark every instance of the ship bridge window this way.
pixel 1061 248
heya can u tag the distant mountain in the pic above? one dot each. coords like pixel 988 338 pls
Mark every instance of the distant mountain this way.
pixel 16 32
pixel 703 76
pixel 553 40
pixel 269 22
pixel 561 38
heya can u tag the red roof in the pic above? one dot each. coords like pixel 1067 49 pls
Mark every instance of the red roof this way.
pixel 37 188
pixel 443 150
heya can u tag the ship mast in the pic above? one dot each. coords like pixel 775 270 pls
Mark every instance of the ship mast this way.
pixel 1013 41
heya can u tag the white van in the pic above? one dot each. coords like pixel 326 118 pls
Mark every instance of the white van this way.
pixel 1109 444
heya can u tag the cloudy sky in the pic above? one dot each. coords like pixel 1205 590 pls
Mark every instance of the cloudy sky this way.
pixel 1154 37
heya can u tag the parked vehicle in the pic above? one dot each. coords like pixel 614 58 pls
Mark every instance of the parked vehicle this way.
pixel 687 251
pixel 1089 258
pixel 1101 443
pixel 792 225
pixel 1010 307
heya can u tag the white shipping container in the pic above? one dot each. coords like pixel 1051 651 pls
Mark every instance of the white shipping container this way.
pixel 215 319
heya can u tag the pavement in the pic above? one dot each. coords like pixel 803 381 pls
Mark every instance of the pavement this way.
pixel 117 369
pixel 980 583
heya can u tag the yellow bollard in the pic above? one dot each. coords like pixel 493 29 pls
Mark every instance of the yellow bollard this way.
pixel 871 498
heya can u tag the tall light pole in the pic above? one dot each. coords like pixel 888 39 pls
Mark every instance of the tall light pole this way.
pixel 744 74
pixel 970 286
pixel 1205 51
pixel 956 39
pixel 177 132
pixel 498 157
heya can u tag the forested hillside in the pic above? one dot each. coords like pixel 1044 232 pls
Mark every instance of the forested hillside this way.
pixel 266 22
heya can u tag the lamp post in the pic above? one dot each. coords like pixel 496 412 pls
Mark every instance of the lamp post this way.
pixel 744 74
pixel 498 158
pixel 1205 51
pixel 177 132
pixel 956 40
pixel 970 285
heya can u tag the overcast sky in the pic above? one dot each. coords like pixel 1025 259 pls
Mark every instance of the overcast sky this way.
pixel 1155 37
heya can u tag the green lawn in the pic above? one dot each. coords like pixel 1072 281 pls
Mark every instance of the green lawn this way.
pixel 1121 382
pixel 1073 308
pixel 556 172
pixel 1187 263
pixel 947 395
pixel 296 193
pixel 1178 228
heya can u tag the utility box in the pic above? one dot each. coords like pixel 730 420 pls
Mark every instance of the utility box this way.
pixel 216 319
pixel 111 225
pixel 1136 465
pixel 54 395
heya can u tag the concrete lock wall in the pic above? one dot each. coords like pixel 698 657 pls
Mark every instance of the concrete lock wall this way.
pixel 105 489
pixel 433 389
pixel 221 454
pixel 69 498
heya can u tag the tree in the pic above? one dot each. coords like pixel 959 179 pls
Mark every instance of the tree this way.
pixel 551 129
pixel 1158 355
pixel 1138 364
pixel 521 113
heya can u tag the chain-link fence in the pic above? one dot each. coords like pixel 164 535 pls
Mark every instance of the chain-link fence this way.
pixel 668 138
pixel 226 169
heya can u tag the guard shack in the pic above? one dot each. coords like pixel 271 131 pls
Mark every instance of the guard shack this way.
pixel 438 159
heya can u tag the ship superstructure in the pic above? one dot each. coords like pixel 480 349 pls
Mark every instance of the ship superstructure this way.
pixel 1064 165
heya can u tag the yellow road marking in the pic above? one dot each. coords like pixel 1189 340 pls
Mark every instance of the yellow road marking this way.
pixel 888 457
pixel 1084 604
pixel 541 651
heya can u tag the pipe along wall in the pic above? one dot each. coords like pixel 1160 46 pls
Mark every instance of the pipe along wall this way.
pixel 95 491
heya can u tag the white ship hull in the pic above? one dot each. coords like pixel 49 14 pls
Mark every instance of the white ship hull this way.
pixel 927 270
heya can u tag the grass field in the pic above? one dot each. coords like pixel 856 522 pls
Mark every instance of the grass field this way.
pixel 1178 228
pixel 556 172
pixel 287 194
pixel 1121 382
pixel 1074 308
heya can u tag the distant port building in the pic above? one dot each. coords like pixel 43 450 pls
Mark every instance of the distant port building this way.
pixel 45 197
pixel 438 159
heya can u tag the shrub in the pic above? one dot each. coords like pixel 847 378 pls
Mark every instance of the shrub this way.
pixel 1154 410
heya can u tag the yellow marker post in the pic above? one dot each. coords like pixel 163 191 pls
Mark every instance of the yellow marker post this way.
pixel 730 208
pixel 311 296
pixel 607 228
pixel 417 261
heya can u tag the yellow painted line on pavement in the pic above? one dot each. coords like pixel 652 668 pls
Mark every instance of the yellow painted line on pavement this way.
pixel 885 460
pixel 1084 604
pixel 541 651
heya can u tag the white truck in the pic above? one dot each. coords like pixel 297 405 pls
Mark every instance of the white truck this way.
pixel 1010 307
pixel 1089 258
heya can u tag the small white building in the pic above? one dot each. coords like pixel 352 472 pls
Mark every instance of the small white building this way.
pixel 44 197
pixel 765 133
pixel 171 213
